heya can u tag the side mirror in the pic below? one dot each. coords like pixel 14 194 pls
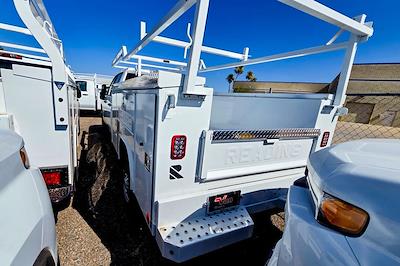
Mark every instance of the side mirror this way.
pixel 103 92
pixel 78 93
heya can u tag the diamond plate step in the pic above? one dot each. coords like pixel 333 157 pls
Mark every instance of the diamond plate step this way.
pixel 201 234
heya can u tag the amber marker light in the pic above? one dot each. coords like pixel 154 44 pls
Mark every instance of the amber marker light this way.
pixel 342 216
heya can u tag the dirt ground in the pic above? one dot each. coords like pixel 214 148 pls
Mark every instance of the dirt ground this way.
pixel 97 228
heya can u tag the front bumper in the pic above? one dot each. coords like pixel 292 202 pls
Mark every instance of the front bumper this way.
pixel 305 241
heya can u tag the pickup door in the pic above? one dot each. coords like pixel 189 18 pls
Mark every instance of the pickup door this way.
pixel 88 98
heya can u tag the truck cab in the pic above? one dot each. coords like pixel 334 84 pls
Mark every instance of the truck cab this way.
pixel 105 96
pixel 90 86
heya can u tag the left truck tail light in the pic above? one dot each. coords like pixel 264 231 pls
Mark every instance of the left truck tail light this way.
pixel 178 147
pixel 53 177
pixel 24 158
pixel 13 56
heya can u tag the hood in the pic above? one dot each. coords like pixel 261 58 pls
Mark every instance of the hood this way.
pixel 359 171
pixel 10 143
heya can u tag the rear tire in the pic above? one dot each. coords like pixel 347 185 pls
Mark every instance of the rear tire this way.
pixel 126 184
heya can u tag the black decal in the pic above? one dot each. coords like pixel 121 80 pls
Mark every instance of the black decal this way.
pixel 174 172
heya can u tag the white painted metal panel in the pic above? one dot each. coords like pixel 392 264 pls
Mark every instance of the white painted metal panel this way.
pixel 251 112
pixel 144 146
pixel 3 109
pixel 236 159
pixel 88 98
pixel 27 92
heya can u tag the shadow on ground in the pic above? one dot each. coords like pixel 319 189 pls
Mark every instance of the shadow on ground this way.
pixel 123 229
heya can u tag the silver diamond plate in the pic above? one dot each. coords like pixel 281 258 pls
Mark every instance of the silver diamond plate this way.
pixel 251 135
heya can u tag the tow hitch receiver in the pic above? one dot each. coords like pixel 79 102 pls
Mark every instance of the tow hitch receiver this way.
pixel 201 234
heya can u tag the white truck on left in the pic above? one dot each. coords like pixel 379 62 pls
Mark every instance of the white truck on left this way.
pixel 27 229
pixel 39 98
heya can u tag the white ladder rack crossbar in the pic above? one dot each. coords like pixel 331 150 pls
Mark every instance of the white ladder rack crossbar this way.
pixel 178 10
pixel 281 56
pixel 13 28
pixel 22 47
pixel 329 15
pixel 359 29
pixel 205 49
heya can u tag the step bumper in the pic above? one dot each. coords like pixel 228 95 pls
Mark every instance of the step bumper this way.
pixel 198 235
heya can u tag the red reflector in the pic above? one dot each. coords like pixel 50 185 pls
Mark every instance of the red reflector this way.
pixel 148 217
pixel 14 56
pixel 178 147
pixel 325 139
pixel 52 178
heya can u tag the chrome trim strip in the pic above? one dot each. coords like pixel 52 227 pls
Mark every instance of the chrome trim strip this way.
pixel 256 135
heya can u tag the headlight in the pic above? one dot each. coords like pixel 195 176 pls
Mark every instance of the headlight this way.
pixel 24 158
pixel 342 216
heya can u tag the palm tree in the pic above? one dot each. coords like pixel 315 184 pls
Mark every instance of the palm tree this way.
pixel 251 77
pixel 230 78
pixel 239 71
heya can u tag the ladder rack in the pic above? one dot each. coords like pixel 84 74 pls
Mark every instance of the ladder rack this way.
pixel 359 30
pixel 50 53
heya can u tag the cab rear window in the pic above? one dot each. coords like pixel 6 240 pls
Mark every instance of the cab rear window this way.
pixel 82 85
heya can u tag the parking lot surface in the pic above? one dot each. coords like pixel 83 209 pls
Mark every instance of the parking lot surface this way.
pixel 97 228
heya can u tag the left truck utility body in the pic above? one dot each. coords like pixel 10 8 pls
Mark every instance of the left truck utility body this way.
pixel 38 98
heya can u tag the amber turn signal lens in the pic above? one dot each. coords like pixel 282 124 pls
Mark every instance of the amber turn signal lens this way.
pixel 342 216
pixel 24 158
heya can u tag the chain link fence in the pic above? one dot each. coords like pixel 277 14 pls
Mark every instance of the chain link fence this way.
pixel 370 116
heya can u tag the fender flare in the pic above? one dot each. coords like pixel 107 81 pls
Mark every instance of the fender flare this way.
pixel 129 155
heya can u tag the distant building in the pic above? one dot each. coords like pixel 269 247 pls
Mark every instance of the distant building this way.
pixel 373 93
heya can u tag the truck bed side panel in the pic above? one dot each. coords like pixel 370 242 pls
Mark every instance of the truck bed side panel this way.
pixel 28 94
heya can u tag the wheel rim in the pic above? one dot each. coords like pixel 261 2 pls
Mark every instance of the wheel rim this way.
pixel 126 186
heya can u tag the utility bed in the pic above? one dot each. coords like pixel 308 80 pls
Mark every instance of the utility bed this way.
pixel 200 163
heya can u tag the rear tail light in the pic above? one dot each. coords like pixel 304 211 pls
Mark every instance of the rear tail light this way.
pixel 54 177
pixel 178 147
pixel 325 139
pixel 24 158
pixel 13 56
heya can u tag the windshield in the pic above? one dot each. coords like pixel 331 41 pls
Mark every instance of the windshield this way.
pixel 82 85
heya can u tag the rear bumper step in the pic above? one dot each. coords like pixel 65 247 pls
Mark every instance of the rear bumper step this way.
pixel 59 194
pixel 201 234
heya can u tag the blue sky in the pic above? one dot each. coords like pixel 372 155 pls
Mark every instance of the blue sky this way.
pixel 93 32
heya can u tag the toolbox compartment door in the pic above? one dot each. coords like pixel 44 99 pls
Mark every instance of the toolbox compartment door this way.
pixel 228 159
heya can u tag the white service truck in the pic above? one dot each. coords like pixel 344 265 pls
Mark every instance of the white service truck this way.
pixel 39 98
pixel 199 163
pixel 90 86
pixel 106 92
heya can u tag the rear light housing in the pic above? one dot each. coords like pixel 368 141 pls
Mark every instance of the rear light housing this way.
pixel 24 158
pixel 55 177
pixel 178 147
pixel 325 139
pixel 13 56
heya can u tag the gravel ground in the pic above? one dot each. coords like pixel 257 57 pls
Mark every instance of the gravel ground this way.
pixel 99 229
